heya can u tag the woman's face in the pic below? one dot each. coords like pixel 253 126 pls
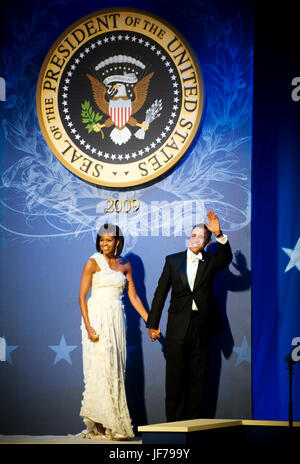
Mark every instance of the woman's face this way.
pixel 108 244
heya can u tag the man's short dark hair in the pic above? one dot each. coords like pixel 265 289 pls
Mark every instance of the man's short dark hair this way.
pixel 115 231
pixel 203 226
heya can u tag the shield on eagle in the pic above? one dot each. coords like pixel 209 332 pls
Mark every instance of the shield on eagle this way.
pixel 120 111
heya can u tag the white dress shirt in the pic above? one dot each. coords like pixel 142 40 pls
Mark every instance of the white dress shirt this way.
pixel 192 266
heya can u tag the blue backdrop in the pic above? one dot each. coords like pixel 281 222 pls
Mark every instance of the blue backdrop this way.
pixel 275 215
pixel 49 220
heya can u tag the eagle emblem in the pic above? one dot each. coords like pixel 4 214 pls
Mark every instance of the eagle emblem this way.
pixel 119 93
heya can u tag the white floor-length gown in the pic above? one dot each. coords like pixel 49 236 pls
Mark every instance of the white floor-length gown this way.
pixel 104 398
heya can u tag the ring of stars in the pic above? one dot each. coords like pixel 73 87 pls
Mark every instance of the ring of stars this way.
pixel 175 105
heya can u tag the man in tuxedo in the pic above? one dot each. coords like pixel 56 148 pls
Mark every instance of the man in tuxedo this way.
pixel 192 317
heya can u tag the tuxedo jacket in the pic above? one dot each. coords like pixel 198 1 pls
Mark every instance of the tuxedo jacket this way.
pixel 174 277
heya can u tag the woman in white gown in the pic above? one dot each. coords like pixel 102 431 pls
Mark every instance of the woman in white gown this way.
pixel 104 406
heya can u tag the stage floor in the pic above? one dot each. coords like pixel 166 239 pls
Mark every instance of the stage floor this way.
pixel 194 431
pixel 60 440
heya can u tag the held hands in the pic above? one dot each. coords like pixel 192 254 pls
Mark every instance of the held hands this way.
pixel 92 335
pixel 154 334
pixel 214 225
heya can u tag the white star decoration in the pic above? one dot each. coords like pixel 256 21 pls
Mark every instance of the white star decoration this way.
pixel 294 255
pixel 243 352
pixel 62 350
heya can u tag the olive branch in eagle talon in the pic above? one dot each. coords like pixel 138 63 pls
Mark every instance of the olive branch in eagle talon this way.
pixel 118 100
pixel 89 117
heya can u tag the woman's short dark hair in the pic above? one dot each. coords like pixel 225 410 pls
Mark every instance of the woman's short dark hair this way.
pixel 115 231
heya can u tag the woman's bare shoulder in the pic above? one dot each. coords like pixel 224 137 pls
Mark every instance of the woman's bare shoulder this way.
pixel 91 265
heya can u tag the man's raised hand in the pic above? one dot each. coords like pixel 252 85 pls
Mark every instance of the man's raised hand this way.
pixel 214 224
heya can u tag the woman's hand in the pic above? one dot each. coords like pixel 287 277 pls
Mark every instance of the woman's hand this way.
pixel 154 334
pixel 92 335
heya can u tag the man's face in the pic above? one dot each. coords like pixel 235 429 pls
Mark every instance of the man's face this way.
pixel 199 239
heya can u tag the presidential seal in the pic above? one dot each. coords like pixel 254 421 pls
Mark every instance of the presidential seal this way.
pixel 120 97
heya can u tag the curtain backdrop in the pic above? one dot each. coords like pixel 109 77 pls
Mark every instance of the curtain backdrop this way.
pixel 275 215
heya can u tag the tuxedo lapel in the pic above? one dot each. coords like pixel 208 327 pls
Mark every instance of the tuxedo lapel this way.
pixel 182 268
pixel 201 268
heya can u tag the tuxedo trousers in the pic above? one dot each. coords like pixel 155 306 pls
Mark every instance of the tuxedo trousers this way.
pixel 186 372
